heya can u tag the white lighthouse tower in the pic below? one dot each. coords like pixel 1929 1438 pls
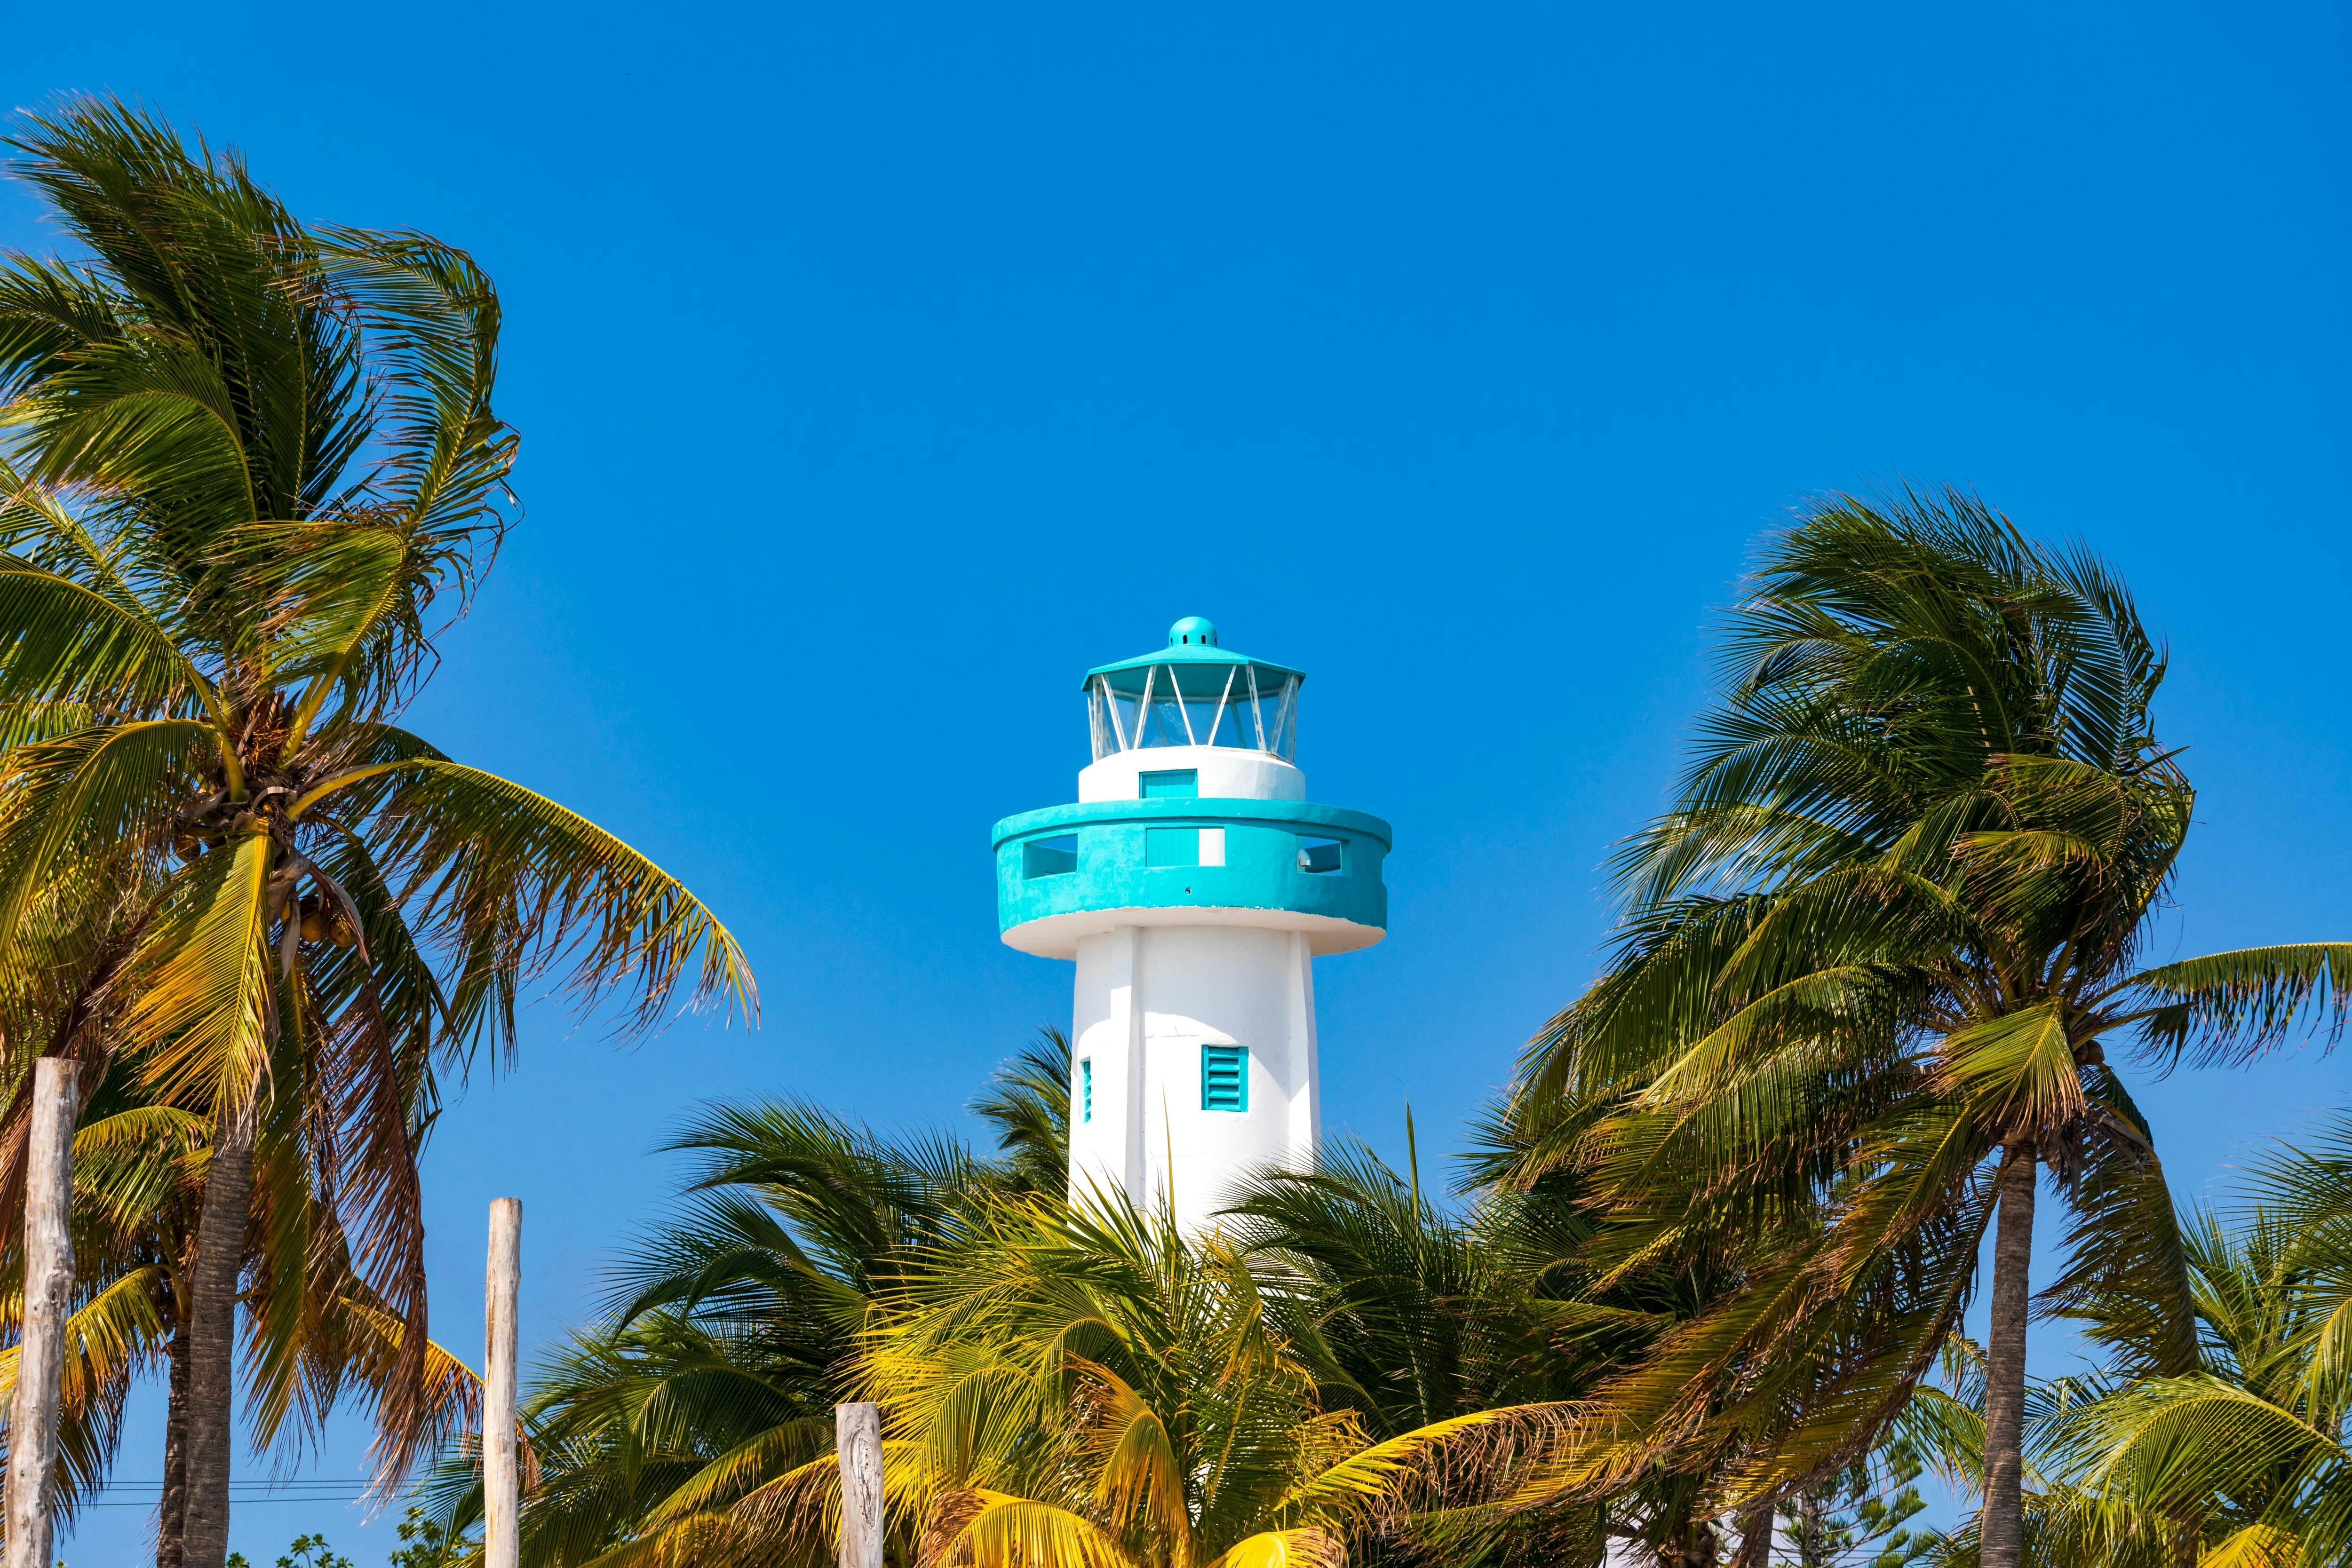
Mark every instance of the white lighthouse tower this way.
pixel 1194 884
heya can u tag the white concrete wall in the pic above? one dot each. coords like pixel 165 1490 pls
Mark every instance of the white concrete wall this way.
pixel 1107 1029
pixel 1147 999
pixel 1226 773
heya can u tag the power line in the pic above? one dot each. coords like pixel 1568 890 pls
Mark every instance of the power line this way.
pixel 323 1490
pixel 298 1481
pixel 322 1497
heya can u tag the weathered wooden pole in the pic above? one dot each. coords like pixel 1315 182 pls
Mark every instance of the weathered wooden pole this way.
pixel 48 1301
pixel 858 1440
pixel 501 1538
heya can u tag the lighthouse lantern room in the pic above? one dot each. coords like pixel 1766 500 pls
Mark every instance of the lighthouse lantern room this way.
pixel 1193 884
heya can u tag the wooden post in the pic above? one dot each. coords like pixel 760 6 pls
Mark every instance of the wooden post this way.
pixel 501 1537
pixel 48 1302
pixel 857 1441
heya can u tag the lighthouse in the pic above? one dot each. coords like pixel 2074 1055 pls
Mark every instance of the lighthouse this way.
pixel 1193 884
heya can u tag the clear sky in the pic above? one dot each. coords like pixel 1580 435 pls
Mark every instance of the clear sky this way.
pixel 879 368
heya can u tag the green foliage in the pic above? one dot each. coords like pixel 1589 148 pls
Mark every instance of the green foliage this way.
pixel 697 1421
pixel 423 1542
pixel 816 1260
pixel 1885 940
pixel 1100 1388
pixel 306 1552
pixel 2245 1452
pixel 250 467
pixel 1028 1102
pixel 1858 1518
pixel 732 1327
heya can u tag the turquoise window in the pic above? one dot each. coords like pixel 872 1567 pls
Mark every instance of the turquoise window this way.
pixel 1171 846
pixel 1224 1078
pixel 1174 784
pixel 1086 1089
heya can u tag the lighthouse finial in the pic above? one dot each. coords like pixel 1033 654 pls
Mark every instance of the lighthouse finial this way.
pixel 1193 631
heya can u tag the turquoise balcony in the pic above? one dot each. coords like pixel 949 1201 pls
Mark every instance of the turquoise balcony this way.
pixel 1075 871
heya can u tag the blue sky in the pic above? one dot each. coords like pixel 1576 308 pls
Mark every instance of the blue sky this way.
pixel 880 368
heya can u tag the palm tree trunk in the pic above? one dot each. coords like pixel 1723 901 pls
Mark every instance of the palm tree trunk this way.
pixel 2002 1525
pixel 1756 1540
pixel 172 1527
pixel 212 1311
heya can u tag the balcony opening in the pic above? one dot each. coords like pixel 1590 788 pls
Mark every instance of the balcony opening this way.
pixel 1322 857
pixel 1049 857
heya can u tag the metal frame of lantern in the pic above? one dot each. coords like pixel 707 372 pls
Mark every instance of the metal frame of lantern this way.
pixel 1129 721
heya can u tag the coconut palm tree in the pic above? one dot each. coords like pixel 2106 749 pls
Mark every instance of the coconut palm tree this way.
pixel 1684 1502
pixel 315 1335
pixel 1028 1102
pixel 1870 966
pixel 313 1340
pixel 1411 1314
pixel 694 1424
pixel 733 1325
pixel 1092 1388
pixel 252 465
pixel 2242 1458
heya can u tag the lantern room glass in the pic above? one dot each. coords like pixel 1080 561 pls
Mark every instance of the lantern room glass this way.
pixel 1244 705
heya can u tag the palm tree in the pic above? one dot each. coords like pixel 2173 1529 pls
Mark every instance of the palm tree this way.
pixel 1606 1311
pixel 1412 1315
pixel 1091 1388
pixel 1869 968
pixel 1028 1102
pixel 250 461
pixel 316 1335
pixel 315 1339
pixel 660 1432
pixel 2242 1458
pixel 694 1424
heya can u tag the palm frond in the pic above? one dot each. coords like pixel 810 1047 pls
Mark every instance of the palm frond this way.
pixel 518 883
pixel 204 1009
pixel 2228 1006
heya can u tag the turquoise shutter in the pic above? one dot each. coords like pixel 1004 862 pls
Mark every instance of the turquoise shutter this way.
pixel 1086 1089
pixel 1171 846
pixel 1224 1078
pixel 1172 784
